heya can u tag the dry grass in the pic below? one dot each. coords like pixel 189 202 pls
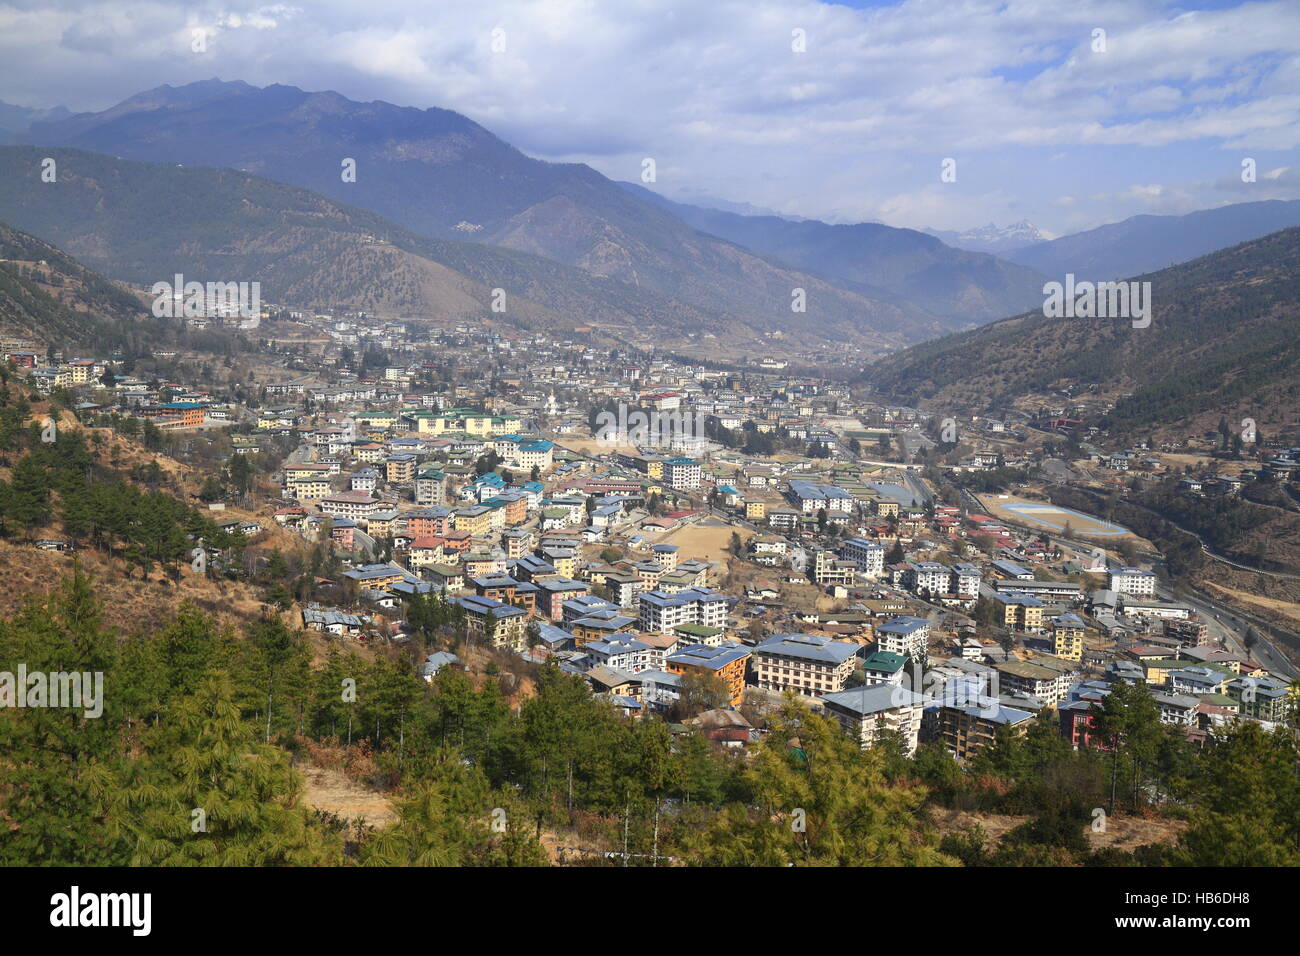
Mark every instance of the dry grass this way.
pixel 1125 833
pixel 331 790
pixel 707 542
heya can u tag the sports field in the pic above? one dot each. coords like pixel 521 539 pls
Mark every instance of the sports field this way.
pixel 1052 517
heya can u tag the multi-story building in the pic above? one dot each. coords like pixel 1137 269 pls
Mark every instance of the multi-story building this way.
pixel 430 487
pixel 1133 581
pixel 476 519
pixel 965 728
pixel 728 662
pixel 1020 612
pixel 1035 680
pixel 808 664
pixel 308 489
pixel 624 653
pixel 496 623
pixel 930 577
pixel 1191 632
pixel 1262 697
pixel 869 712
pixel 349 504
pixel 1067 636
pixel 683 474
pixel 868 555
pixel 905 636
pixel 662 612
pixel 364 479
pixel 827 569
pixel 965 581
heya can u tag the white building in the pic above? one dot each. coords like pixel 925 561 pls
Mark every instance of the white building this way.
pixel 1133 581
pixel 869 555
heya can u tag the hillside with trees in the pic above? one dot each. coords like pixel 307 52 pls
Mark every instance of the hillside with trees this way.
pixel 1224 340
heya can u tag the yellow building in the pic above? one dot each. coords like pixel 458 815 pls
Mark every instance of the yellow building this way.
pixel 1067 637
pixel 476 520
pixel 308 489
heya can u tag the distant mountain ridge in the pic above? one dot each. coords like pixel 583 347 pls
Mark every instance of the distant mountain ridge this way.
pixel 1147 243
pixel 992 238
pixel 140 223
pixel 441 175
pixel 904 265
pixel 15 121
pixel 1224 340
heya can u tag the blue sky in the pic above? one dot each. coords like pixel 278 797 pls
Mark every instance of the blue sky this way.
pixel 1044 124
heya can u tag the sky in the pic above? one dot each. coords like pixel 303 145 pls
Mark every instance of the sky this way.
pixel 1069 114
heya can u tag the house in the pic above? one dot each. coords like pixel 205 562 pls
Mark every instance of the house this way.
pixel 435 662
pixel 332 621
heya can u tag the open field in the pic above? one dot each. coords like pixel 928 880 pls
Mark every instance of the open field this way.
pixel 707 539
pixel 587 445
pixel 1045 516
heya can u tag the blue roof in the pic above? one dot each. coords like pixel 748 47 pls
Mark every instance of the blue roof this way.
pixel 811 647
pixel 903 625
pixel 713 658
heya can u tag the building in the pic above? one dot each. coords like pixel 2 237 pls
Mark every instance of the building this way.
pixel 662 612
pixel 430 487
pixel 1067 636
pixel 966 727
pixel 906 637
pixel 1262 698
pixel 868 712
pixel 728 662
pixel 1020 612
pixel 683 474
pixel 495 623
pixel 1133 581
pixel 868 555
pixel 808 664
pixel 1028 677
pixel 349 504
pixel 1190 632
pixel 827 569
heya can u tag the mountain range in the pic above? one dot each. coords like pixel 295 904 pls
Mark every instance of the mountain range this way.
pixel 1223 340
pixel 442 176
pixel 904 264
pixel 993 238
pixel 142 223
pixel 1147 243
pixel 459 212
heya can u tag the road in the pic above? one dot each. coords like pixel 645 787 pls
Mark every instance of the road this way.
pixel 1225 624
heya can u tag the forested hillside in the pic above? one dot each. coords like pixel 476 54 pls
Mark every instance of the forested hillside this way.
pixel 49 297
pixel 1224 340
